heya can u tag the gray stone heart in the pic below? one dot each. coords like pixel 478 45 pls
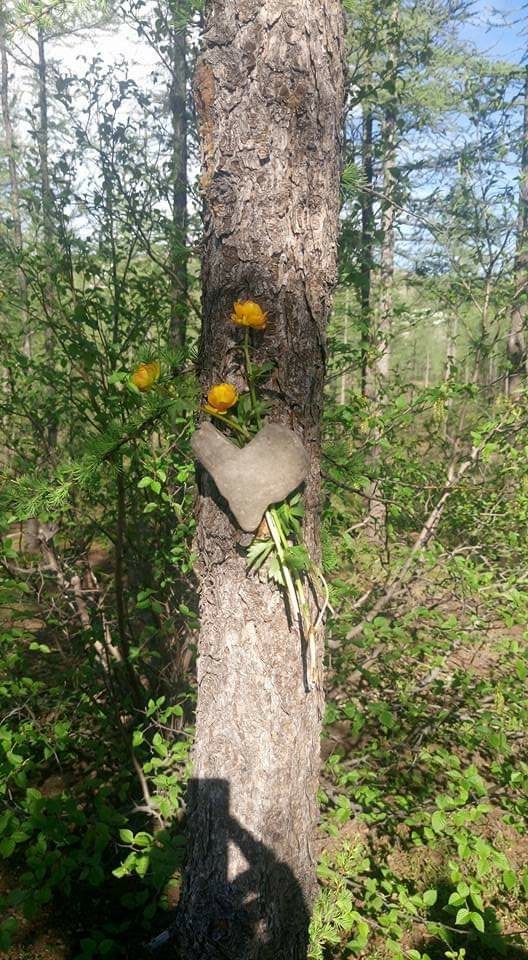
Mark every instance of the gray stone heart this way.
pixel 250 478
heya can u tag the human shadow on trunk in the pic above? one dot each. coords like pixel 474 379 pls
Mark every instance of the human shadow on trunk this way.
pixel 261 914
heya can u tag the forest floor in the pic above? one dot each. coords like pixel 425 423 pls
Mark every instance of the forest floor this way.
pixel 423 843
pixel 426 750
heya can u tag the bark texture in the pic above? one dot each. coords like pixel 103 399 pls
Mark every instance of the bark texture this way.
pixel 269 93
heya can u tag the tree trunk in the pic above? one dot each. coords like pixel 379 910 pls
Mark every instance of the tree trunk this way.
pixel 378 369
pixel 383 326
pixel 451 346
pixel 178 113
pixel 46 194
pixel 344 374
pixel 14 192
pixel 367 242
pixel 30 527
pixel 47 207
pixel 269 91
pixel 517 353
pixel 377 372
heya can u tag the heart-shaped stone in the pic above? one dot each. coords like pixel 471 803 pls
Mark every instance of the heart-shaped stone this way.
pixel 250 478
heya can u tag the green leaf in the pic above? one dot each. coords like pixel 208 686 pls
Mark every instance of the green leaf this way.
pixel 477 920
pixel 297 558
pixel 262 371
pixel 142 865
pixel 142 839
pixel 258 552
pixel 438 821
pixel 275 570
pixel 430 897
pixel 7 845
pixel 463 916
pixel 477 899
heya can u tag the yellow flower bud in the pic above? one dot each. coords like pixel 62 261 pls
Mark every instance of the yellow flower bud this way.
pixel 145 376
pixel 247 313
pixel 221 397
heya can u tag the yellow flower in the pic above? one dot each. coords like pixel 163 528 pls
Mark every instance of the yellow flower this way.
pixel 221 397
pixel 247 313
pixel 145 376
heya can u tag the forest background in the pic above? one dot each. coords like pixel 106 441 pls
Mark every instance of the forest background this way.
pixel 423 843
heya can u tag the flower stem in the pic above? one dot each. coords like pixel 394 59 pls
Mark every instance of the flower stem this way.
pixel 276 537
pixel 309 632
pixel 231 422
pixel 301 603
pixel 249 376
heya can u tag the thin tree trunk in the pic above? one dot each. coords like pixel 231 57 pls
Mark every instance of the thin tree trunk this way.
pixel 269 90
pixel 386 296
pixel 43 140
pixel 451 341
pixel 47 204
pixel 178 113
pixel 30 527
pixel 481 368
pixel 450 362
pixel 427 367
pixel 367 242
pixel 517 353
pixel 344 375
pixel 14 192
pixel 377 371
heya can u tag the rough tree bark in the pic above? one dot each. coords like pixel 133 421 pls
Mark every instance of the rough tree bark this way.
pixel 517 353
pixel 269 92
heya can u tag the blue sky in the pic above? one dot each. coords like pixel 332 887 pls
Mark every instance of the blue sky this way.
pixel 499 29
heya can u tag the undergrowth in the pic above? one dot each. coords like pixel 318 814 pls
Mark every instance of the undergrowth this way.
pixel 422 845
